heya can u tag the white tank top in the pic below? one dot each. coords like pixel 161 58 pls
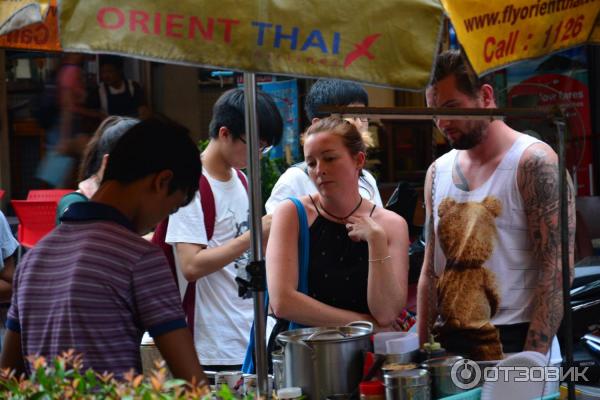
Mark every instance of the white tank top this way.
pixel 511 260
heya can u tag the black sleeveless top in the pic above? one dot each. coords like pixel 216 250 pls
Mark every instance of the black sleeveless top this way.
pixel 338 267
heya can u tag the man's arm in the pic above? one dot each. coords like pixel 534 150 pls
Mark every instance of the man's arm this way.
pixel 6 277
pixel 426 295
pixel 177 348
pixel 538 184
pixel 11 352
pixel 197 260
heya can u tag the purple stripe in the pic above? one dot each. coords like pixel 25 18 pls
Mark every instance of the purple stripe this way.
pixel 92 287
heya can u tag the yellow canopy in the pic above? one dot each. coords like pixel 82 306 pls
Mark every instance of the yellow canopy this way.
pixel 500 32
pixel 383 42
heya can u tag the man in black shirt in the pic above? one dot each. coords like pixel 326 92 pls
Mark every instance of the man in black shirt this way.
pixel 117 95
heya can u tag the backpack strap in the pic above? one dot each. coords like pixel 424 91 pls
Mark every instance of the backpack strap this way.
pixel 242 178
pixel 207 200
pixel 103 95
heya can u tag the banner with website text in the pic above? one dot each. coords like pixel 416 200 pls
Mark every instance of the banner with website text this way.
pixel 42 36
pixel 15 14
pixel 388 42
pixel 497 33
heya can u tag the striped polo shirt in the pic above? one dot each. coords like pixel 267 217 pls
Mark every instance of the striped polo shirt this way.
pixel 95 286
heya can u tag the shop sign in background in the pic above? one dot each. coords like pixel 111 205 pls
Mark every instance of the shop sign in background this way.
pixel 385 42
pixel 15 14
pixel 561 81
pixel 500 32
pixel 41 36
pixel 285 94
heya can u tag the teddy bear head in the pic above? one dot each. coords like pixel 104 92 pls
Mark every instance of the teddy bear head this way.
pixel 467 231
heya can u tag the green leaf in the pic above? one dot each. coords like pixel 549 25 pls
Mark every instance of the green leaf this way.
pixel 40 396
pixel 173 383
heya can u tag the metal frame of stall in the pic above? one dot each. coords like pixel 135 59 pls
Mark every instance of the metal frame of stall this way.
pixel 256 267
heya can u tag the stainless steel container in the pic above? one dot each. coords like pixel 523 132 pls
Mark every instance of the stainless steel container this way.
pixel 441 377
pixel 412 384
pixel 278 369
pixel 325 361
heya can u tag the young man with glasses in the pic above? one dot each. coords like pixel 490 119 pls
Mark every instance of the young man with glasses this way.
pixel 212 259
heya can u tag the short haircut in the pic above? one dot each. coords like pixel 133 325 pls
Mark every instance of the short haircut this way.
pixel 333 92
pixel 152 146
pixel 116 61
pixel 452 62
pixel 104 140
pixel 229 111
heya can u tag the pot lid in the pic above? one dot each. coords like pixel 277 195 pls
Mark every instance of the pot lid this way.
pixel 327 334
pixel 441 362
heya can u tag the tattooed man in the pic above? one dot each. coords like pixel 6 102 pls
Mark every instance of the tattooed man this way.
pixel 491 159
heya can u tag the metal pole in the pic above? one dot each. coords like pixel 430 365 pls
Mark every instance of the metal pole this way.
pixel 564 251
pixel 256 267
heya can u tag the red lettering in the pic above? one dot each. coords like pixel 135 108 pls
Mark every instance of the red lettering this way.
pixel 227 23
pixel 26 36
pixel 157 23
pixel 42 34
pixel 172 25
pixel 488 56
pixel 139 17
pixel 195 23
pixel 102 17
pixel 13 37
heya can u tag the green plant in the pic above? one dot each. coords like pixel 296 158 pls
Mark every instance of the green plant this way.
pixel 64 378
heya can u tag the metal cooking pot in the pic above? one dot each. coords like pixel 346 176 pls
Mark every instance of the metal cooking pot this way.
pixel 325 361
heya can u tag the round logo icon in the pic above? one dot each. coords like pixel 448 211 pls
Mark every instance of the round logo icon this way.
pixel 465 374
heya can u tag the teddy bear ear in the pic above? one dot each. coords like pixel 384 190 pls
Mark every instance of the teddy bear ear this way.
pixel 445 205
pixel 493 205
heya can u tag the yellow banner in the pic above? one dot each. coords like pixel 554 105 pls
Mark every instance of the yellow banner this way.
pixel 385 42
pixel 42 36
pixel 15 14
pixel 499 32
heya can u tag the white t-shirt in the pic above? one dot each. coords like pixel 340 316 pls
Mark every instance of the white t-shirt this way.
pixel 222 318
pixel 296 183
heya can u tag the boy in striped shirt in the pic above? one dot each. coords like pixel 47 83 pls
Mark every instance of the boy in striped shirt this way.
pixel 93 284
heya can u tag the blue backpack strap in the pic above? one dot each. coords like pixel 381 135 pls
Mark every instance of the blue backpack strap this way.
pixel 303 246
pixel 303 257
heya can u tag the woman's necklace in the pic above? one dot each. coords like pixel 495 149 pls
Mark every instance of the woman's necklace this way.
pixel 341 218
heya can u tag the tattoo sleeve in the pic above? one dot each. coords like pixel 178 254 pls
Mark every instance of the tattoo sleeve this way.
pixel 538 183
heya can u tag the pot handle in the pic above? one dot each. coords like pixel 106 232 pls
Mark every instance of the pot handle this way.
pixel 319 333
pixel 362 323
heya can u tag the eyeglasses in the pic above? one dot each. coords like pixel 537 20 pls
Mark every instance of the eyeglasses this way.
pixel 264 148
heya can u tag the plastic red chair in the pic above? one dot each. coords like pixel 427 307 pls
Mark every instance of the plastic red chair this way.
pixel 47 194
pixel 36 220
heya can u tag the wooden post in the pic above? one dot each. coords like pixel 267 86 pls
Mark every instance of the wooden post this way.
pixel 4 130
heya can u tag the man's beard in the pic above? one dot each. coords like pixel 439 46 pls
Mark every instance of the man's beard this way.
pixel 472 137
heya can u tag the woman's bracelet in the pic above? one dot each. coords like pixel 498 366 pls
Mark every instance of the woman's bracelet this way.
pixel 380 260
